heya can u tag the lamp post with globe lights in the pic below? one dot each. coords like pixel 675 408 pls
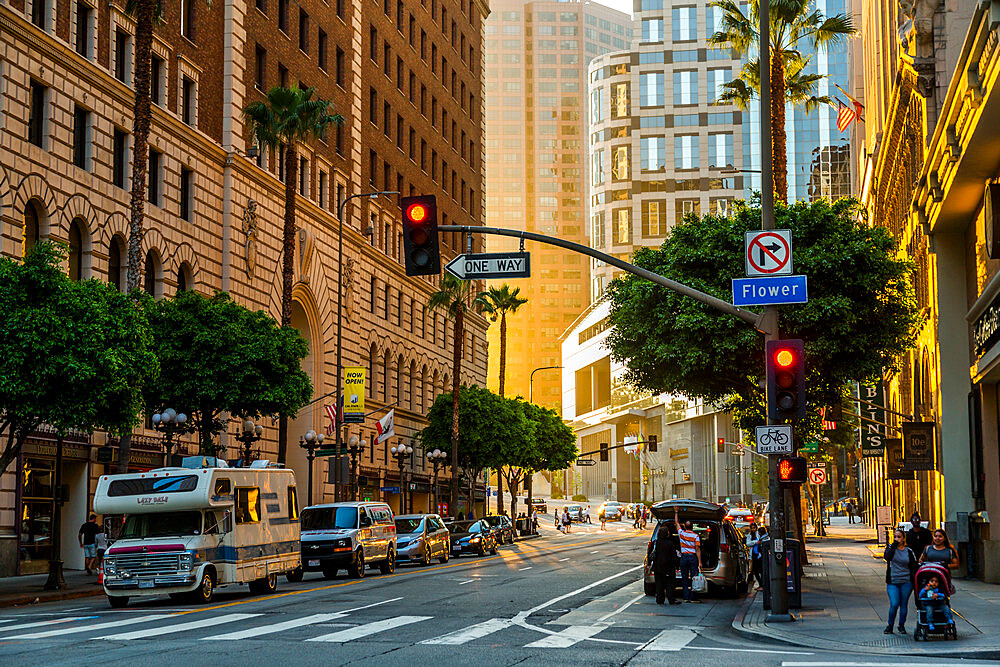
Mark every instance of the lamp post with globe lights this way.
pixel 310 442
pixel 401 453
pixel 171 423
pixel 436 458
pixel 354 447
pixel 249 434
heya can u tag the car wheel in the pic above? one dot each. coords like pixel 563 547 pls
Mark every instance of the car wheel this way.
pixel 357 568
pixel 264 585
pixel 494 549
pixel 118 601
pixel 388 566
pixel 295 576
pixel 446 555
pixel 426 560
pixel 206 589
pixel 648 588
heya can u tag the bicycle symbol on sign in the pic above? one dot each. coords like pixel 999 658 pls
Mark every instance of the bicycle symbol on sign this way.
pixel 773 436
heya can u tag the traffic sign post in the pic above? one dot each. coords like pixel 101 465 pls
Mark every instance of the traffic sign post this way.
pixel 490 265
pixel 817 475
pixel 769 252
pixel 586 462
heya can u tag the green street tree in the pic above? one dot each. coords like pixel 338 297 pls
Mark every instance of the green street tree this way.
pixel 795 25
pixel 76 355
pixel 555 443
pixel 218 357
pixel 860 318
pixel 288 117
pixel 500 302
pixel 456 297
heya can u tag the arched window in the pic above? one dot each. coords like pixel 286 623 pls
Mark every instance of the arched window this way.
pixel 386 385
pixel 434 388
pixel 32 226
pixel 400 381
pixel 184 282
pixel 116 250
pixel 151 275
pixel 372 368
pixel 76 249
pixel 414 396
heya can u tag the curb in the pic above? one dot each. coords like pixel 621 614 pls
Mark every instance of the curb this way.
pixel 947 649
pixel 43 597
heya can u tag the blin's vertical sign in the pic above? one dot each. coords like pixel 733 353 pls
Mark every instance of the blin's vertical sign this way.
pixel 872 435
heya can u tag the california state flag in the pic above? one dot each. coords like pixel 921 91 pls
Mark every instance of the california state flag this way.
pixel 385 426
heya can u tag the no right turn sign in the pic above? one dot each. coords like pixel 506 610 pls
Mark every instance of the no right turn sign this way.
pixel 769 253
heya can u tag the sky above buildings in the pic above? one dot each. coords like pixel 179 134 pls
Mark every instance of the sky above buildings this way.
pixel 620 5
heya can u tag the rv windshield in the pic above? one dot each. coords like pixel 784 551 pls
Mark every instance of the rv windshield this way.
pixel 161 524
pixel 329 518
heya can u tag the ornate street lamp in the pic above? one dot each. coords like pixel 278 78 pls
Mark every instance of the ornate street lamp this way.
pixel 249 434
pixel 401 453
pixel 171 423
pixel 310 442
pixel 354 447
pixel 436 458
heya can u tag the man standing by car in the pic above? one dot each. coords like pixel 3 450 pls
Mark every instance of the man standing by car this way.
pixel 665 565
pixel 690 556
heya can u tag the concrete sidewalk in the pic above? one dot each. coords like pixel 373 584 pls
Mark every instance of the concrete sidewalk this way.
pixel 845 607
pixel 28 589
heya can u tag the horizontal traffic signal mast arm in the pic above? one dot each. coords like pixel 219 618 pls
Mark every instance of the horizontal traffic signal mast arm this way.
pixel 747 316
pixel 609 448
pixel 881 407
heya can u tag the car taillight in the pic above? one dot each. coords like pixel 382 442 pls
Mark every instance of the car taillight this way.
pixel 724 548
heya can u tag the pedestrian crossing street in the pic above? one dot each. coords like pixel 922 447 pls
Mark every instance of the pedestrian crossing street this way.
pixel 332 627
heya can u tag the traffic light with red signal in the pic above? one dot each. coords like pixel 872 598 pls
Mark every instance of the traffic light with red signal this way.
pixel 791 470
pixel 786 379
pixel 421 255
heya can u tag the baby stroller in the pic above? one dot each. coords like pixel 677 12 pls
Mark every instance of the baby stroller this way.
pixel 936 617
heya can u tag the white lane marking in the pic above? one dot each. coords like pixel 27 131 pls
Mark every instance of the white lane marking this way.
pixel 369 629
pixel 670 640
pixel 752 650
pixel 35 624
pixel 573 634
pixel 563 559
pixel 860 664
pixel 466 635
pixel 179 627
pixel 277 627
pixel 528 567
pixel 548 603
pixel 467 581
pixel 369 606
pixel 95 626
pixel 622 608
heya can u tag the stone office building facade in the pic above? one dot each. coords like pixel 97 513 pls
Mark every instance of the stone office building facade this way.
pixel 406 76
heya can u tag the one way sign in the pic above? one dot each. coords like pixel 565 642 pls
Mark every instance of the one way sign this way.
pixel 488 265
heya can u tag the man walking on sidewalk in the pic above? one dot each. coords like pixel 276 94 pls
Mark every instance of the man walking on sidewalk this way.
pixel 88 542
pixel 690 556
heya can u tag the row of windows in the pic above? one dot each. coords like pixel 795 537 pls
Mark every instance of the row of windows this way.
pixel 653 156
pixel 652 92
pixel 684 24
pixel 654 219
pixel 390 380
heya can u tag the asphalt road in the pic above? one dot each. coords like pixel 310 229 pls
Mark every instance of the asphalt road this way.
pixel 561 599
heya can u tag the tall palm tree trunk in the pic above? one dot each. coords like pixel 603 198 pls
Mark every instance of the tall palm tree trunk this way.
pixel 780 157
pixel 503 373
pixel 455 382
pixel 140 162
pixel 287 272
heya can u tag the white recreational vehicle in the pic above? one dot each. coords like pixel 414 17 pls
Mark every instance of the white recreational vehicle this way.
pixel 187 531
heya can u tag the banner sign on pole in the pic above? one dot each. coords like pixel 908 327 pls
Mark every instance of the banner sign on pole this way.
pixel 918 446
pixel 354 395
pixel 894 460
pixel 872 435
pixel 386 427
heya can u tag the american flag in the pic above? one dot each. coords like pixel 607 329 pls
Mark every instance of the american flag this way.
pixel 845 116
pixel 827 425
pixel 331 412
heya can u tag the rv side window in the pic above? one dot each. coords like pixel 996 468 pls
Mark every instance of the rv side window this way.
pixel 247 504
pixel 293 504
pixel 223 487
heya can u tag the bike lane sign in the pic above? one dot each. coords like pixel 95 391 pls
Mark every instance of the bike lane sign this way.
pixel 775 439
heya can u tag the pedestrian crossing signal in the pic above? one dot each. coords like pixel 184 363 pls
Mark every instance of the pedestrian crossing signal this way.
pixel 604 451
pixel 421 253
pixel 792 470
pixel 652 442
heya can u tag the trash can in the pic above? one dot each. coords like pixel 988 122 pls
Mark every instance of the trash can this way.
pixel 793 567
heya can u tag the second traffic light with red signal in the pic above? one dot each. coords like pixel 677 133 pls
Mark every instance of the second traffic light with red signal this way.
pixel 421 255
pixel 786 379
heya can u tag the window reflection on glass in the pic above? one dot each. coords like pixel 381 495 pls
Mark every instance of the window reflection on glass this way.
pixel 248 505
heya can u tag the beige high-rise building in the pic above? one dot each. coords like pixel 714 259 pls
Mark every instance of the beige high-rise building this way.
pixel 537 55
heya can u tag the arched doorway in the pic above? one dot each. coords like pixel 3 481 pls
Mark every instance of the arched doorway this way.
pixel 184 280
pixel 116 270
pixel 31 231
pixel 77 251
pixel 152 281
pixel 308 418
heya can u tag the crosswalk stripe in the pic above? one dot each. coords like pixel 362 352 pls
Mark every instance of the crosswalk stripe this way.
pixel 367 629
pixel 466 635
pixel 670 640
pixel 568 637
pixel 96 626
pixel 278 627
pixel 179 627
pixel 35 624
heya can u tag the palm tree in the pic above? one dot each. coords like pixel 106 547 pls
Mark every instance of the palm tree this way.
pixel 456 298
pixel 792 23
pixel 285 118
pixel 501 301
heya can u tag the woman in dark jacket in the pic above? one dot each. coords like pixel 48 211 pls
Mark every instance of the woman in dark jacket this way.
pixel 900 566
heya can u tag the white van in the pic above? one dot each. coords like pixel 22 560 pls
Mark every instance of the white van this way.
pixel 187 531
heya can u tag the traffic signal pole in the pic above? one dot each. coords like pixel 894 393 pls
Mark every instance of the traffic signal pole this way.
pixel 779 592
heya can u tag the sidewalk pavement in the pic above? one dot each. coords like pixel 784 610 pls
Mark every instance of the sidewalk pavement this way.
pixel 28 589
pixel 845 607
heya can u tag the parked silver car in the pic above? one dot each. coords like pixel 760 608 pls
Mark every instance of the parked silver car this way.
pixel 724 559
pixel 421 538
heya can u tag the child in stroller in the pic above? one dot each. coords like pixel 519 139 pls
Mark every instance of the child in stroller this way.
pixel 933 581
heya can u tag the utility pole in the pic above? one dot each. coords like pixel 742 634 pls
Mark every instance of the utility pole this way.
pixel 779 593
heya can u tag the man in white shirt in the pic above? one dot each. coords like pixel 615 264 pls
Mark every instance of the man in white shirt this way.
pixel 690 556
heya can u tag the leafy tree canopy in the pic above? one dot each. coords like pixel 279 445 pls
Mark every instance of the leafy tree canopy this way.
pixel 218 356
pixel 76 355
pixel 554 442
pixel 860 317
